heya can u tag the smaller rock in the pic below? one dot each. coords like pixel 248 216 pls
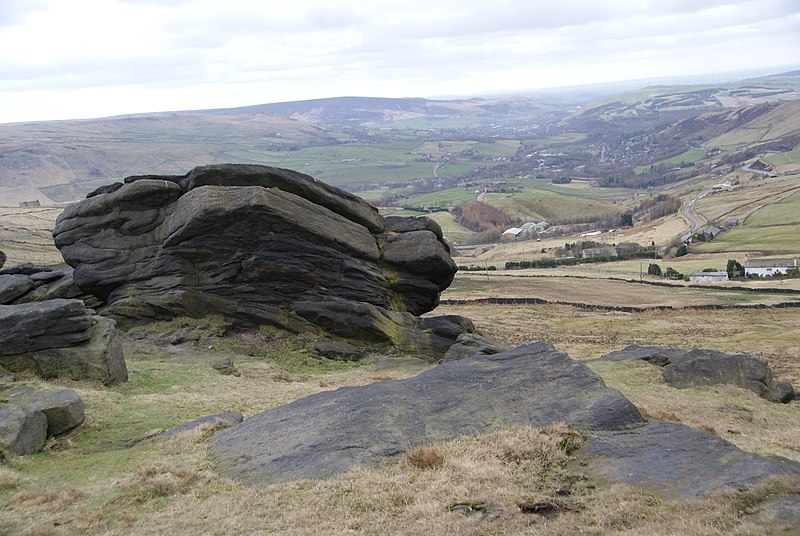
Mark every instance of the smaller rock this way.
pixel 471 344
pixel 2 259
pixel 14 286
pixel 216 421
pixel 394 363
pixel 63 408
pixel 702 368
pixel 780 392
pixel 783 513
pixel 21 431
pixel 339 350
pixel 225 366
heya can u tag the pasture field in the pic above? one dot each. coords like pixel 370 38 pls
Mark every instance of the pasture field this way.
pixel 600 292
pixel 771 229
pixel 26 235
pixel 692 155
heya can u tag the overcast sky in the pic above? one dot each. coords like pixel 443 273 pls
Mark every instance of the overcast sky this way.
pixel 65 59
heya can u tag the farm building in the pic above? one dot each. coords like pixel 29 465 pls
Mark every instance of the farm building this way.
pixel 711 231
pixel 30 204
pixel 731 222
pixel 708 277
pixel 769 267
pixel 591 253
pixel 510 234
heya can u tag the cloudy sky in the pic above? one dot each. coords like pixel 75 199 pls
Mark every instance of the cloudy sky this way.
pixel 88 58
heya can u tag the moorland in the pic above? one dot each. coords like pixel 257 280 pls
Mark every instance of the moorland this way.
pixel 594 169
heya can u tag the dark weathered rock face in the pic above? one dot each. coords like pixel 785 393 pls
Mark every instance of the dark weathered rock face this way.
pixel 702 368
pixel 331 432
pixel 29 416
pixel 258 245
pixel 2 259
pixel 60 338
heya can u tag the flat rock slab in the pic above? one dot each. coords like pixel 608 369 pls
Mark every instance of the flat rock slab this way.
pixel 331 432
pixel 677 460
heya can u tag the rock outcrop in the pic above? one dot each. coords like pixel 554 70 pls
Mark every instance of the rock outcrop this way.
pixel 2 259
pixel 258 245
pixel 29 416
pixel 60 338
pixel 702 368
pixel 330 432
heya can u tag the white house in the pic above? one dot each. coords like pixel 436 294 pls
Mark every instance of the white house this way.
pixel 769 267
pixel 708 277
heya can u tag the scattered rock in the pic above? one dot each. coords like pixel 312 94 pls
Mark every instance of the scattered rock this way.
pixel 330 432
pixel 470 344
pixel 309 255
pixel 212 422
pixel 677 459
pixel 781 514
pixel 702 368
pixel 14 286
pixel 225 366
pixel 339 350
pixel 21 432
pixel 29 416
pixel 63 408
pixel 60 338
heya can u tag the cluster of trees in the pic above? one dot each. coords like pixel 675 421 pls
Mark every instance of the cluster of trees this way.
pixel 659 206
pixel 669 273
pixel 479 217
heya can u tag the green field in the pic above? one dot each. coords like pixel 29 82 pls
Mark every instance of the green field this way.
pixel 692 155
pixel 791 157
pixel 771 229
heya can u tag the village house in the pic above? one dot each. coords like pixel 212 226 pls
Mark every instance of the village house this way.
pixel 708 277
pixel 592 253
pixel 769 267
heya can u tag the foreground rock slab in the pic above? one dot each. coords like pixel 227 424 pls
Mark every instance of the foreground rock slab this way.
pixel 703 368
pixel 331 432
pixel 60 339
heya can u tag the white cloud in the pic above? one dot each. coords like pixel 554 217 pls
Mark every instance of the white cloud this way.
pixel 100 57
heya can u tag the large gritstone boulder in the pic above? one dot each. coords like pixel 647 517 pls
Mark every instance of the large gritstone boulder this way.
pixel 258 245
pixel 60 339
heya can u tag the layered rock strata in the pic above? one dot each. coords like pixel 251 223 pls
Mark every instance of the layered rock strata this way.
pixel 258 245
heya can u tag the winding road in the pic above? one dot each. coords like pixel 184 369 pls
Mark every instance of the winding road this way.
pixel 693 217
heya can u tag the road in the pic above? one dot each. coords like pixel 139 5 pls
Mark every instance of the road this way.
pixel 691 215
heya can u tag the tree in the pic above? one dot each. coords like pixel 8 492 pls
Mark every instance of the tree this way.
pixel 627 219
pixel 681 251
pixel 734 269
pixel 654 269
